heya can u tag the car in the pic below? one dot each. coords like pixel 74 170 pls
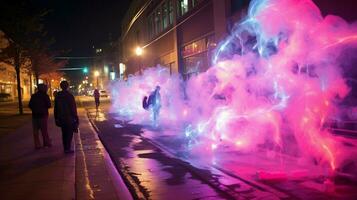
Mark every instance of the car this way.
pixel 103 93
pixel 90 93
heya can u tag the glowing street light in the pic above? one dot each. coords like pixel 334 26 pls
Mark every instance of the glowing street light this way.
pixel 85 70
pixel 139 51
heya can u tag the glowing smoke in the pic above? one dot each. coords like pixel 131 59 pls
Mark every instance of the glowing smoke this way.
pixel 277 76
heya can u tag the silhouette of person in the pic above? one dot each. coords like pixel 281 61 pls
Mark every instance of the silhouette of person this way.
pixel 66 115
pixel 96 98
pixel 39 104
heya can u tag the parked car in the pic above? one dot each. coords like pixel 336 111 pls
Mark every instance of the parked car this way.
pixel 103 93
pixel 90 92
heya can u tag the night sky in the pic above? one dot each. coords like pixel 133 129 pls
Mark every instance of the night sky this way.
pixel 77 25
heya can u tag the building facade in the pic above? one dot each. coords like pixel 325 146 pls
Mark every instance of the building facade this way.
pixel 8 84
pixel 178 34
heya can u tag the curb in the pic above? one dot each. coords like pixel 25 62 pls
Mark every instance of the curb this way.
pixel 126 187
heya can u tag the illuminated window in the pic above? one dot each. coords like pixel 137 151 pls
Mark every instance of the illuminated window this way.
pixel 158 21
pixel 182 7
pixel 171 12
pixel 161 18
pixel 165 17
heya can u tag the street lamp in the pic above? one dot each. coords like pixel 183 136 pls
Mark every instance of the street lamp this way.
pixel 96 74
pixel 139 51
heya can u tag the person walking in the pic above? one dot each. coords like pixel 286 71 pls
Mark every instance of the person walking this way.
pixel 153 103
pixel 39 104
pixel 66 116
pixel 96 98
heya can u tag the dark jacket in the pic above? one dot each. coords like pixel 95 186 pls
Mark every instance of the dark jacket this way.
pixel 66 110
pixel 39 104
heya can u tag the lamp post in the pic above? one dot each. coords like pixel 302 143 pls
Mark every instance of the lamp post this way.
pixel 96 74
pixel 139 52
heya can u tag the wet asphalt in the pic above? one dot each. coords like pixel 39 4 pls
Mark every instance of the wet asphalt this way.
pixel 158 168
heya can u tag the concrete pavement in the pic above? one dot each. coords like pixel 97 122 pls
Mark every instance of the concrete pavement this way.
pixel 48 173
pixel 26 173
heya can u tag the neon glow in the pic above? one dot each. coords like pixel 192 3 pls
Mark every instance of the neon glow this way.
pixel 276 76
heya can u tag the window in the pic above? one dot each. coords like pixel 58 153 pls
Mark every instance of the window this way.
pixel 157 22
pixel 194 48
pixel 171 12
pixel 182 7
pixel 194 3
pixel 161 18
pixel 151 27
pixel 165 17
pixel 194 65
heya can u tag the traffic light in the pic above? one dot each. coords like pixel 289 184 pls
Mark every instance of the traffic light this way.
pixel 85 70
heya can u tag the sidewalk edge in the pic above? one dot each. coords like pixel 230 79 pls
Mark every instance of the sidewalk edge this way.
pixel 122 190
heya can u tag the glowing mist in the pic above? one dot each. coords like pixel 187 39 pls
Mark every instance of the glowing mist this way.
pixel 273 84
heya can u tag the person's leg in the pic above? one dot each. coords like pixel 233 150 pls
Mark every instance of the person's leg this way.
pixel 64 137
pixel 97 103
pixel 35 131
pixel 67 138
pixel 44 131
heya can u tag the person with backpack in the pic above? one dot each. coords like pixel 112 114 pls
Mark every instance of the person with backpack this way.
pixel 66 116
pixel 39 104
pixel 153 103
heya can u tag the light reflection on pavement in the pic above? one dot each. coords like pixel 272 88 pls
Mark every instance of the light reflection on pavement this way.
pixel 152 154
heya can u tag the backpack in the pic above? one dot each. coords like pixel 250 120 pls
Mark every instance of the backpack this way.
pixel 145 103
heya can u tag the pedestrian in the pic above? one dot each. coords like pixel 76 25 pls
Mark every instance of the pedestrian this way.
pixel 39 104
pixel 66 115
pixel 96 98
pixel 153 103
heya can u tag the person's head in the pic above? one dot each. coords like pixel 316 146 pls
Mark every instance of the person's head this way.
pixel 42 88
pixel 64 85
pixel 157 88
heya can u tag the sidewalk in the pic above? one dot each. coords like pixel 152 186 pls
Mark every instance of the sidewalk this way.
pixel 26 173
pixel 48 173
pixel 96 175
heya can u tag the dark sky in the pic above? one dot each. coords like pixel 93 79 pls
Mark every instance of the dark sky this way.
pixel 77 25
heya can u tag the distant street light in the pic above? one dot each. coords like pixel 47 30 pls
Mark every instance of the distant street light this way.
pixel 85 70
pixel 139 51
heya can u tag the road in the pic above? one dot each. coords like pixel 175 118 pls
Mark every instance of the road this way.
pixel 156 163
